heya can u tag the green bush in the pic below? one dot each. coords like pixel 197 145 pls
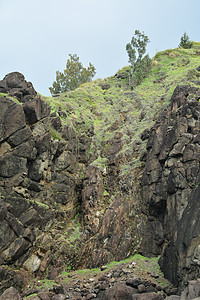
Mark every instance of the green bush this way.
pixel 73 76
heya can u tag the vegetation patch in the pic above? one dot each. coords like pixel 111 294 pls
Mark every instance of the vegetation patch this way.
pixel 100 163
pixel 55 134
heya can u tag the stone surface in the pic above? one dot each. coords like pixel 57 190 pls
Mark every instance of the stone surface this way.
pixel 192 291
pixel 33 263
pixel 15 84
pixel 35 110
pixel 10 293
pixel 173 297
pixel 16 250
pixel 147 296
pixel 62 205
pixel 11 116
pixel 119 292
pixel 170 187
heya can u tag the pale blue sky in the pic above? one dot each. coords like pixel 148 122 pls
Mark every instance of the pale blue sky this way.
pixel 38 35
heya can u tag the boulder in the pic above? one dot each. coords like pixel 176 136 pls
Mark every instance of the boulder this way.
pixel 20 136
pixel 8 165
pixel 36 170
pixel 36 110
pixel 119 292
pixel 10 293
pixel 192 291
pixel 133 282
pixel 16 250
pixel 7 235
pixel 65 161
pixel 14 224
pixel 32 264
pixel 15 84
pixel 14 80
pixel 31 218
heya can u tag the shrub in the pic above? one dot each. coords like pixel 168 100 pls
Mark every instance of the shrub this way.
pixel 73 76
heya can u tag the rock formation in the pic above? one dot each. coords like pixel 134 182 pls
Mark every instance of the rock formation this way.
pixel 45 182
pixel 62 207
pixel 170 187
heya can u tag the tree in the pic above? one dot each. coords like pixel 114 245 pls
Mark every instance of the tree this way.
pixel 185 41
pixel 74 75
pixel 140 64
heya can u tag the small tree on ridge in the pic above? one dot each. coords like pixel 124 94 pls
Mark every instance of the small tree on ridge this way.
pixel 140 64
pixel 73 76
pixel 185 42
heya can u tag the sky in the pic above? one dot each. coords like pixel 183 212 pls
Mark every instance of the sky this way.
pixel 37 36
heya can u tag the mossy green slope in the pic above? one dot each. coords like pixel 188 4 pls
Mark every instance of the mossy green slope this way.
pixel 111 105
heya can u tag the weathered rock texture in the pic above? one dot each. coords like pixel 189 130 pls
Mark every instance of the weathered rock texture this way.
pixel 15 84
pixel 37 178
pixel 59 208
pixel 45 182
pixel 170 187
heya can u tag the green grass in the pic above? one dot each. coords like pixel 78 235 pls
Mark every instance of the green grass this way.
pixel 80 273
pixel 42 204
pixel 105 193
pixel 11 98
pixel 31 296
pixel 100 163
pixel 143 267
pixel 119 108
pixel 55 134
pixel 73 233
pixel 40 285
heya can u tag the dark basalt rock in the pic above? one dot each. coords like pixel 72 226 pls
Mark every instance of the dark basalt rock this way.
pixel 15 84
pixel 170 187
pixel 44 183
pixel 120 291
pixel 12 118
pixel 35 110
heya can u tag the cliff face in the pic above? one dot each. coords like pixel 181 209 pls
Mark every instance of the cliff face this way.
pixel 170 187
pixel 31 172
pixel 53 206
pixel 100 173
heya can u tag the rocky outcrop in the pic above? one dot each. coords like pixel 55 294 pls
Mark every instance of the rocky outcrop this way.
pixel 170 187
pixel 57 209
pixel 64 206
pixel 11 293
pixel 36 179
pixel 15 85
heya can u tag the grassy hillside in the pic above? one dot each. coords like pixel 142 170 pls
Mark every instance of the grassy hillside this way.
pixel 103 218
pixel 110 105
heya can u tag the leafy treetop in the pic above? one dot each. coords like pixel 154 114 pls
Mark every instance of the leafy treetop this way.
pixel 73 76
